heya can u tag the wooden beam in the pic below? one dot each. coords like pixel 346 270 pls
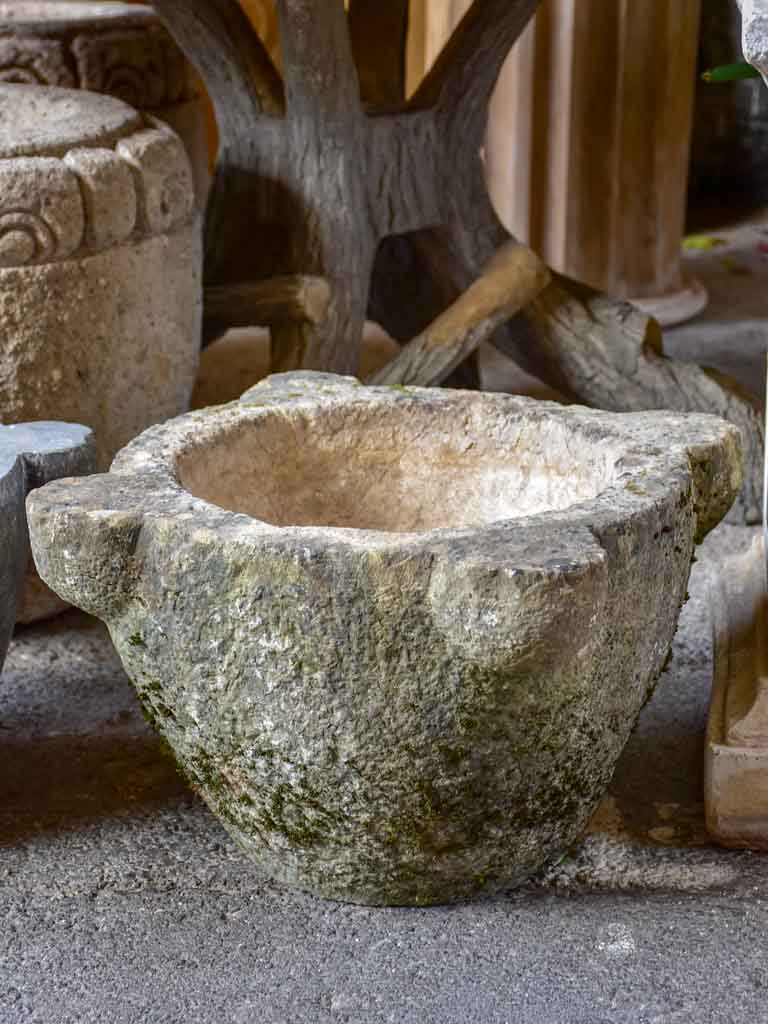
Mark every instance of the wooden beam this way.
pixel 289 299
pixel 513 279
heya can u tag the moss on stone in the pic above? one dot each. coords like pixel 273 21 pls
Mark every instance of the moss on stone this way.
pixel 635 488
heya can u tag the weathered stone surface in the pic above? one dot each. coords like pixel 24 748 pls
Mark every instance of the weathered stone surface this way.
pixel 736 759
pixel 118 49
pixel 100 296
pixel 754 32
pixel 31 454
pixel 397 638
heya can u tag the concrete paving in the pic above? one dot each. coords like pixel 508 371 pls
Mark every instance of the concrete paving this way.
pixel 122 901
pixel 732 333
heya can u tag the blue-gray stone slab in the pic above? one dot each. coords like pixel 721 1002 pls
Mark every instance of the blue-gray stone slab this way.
pixel 31 454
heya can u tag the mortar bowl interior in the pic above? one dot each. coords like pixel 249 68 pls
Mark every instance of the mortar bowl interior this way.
pixel 405 468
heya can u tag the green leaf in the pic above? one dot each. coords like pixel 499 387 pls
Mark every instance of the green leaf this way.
pixel 702 243
pixel 731 73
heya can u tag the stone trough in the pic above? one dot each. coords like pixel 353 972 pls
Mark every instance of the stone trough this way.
pixel 397 638
pixel 31 454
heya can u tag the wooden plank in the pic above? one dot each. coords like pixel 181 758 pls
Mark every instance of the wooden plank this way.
pixel 514 277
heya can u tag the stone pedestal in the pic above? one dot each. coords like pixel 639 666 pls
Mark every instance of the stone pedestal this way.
pixel 119 49
pixel 100 295
pixel 736 759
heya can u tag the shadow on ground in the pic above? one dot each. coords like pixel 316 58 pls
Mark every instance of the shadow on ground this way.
pixel 73 745
pixel 62 783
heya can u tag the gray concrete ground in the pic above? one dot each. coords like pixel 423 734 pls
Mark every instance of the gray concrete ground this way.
pixel 122 901
pixel 732 334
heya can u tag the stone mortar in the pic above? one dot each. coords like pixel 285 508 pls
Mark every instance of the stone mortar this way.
pixel 100 265
pixel 121 50
pixel 397 638
pixel 31 454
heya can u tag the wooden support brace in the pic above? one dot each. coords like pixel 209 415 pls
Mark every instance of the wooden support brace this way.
pixel 514 277
pixel 276 300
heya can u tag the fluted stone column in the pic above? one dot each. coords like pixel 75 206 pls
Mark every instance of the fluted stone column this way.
pixel 601 93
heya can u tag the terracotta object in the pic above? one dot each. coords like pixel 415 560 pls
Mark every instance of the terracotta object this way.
pixel 99 265
pixel 397 638
pixel 118 49
pixel 736 759
pixel 31 454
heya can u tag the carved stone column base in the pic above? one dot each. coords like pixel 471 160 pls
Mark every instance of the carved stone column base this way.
pixel 118 49
pixel 736 758
pixel 100 296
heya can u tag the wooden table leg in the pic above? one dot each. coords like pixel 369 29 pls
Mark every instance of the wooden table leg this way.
pixel 601 94
pixel 589 140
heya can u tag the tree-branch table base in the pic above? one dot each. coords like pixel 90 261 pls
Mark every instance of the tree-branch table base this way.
pixel 328 172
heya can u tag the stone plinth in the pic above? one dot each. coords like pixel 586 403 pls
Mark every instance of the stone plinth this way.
pixel 31 454
pixel 118 49
pixel 100 297
pixel 736 759
pixel 397 638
